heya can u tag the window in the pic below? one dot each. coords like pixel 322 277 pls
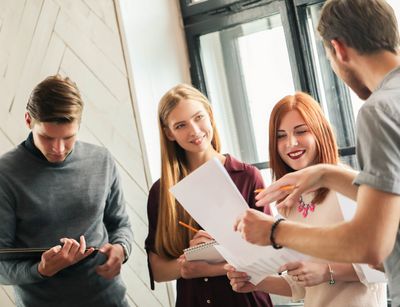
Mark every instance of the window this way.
pixel 340 104
pixel 238 67
pixel 246 55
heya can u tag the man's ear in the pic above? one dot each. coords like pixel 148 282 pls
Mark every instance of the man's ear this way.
pixel 28 120
pixel 169 134
pixel 341 51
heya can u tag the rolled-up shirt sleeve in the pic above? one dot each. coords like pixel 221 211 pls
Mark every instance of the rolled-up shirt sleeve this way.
pixel 378 149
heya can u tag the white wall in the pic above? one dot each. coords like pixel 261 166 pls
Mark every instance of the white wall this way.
pixel 158 55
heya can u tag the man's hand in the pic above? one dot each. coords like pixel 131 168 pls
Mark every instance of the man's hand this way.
pixel 303 181
pixel 115 257
pixel 254 226
pixel 59 257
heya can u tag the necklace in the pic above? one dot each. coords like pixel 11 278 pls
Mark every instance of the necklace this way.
pixel 303 208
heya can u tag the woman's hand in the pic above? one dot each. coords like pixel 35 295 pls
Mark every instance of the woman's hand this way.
pixel 307 274
pixel 193 269
pixel 200 237
pixel 239 280
pixel 196 269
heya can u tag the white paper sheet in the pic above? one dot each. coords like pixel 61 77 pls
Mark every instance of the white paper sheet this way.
pixel 349 207
pixel 274 211
pixel 213 200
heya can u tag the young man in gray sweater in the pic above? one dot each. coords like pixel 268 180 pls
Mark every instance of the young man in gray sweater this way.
pixel 57 191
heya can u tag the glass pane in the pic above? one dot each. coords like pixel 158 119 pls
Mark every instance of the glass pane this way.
pixel 247 71
pixel 339 102
pixel 313 12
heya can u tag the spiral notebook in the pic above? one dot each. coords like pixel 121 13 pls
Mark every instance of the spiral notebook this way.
pixel 204 252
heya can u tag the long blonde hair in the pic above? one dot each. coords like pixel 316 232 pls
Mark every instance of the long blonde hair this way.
pixel 172 238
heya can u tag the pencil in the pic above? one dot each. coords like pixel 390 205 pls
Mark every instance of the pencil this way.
pixel 187 226
pixel 282 188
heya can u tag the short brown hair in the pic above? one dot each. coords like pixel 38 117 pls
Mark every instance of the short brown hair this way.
pixel 55 99
pixel 368 26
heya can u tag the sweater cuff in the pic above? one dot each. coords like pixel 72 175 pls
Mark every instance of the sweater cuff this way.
pixel 34 271
pixel 126 247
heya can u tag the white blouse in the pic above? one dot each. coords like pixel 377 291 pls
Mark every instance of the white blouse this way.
pixel 342 293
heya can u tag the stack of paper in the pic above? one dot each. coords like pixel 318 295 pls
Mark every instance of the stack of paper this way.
pixel 213 200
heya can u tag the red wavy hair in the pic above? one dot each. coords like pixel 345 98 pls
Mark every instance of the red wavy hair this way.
pixel 311 112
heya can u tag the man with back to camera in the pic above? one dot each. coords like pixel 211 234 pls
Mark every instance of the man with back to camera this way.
pixel 361 40
pixel 57 191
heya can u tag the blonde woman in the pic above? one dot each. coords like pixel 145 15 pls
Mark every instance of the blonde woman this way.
pixel 189 138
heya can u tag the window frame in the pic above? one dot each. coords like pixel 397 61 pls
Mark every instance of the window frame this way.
pixel 205 24
pixel 190 9
pixel 206 17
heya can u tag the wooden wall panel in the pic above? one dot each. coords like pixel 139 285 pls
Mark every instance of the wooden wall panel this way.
pixel 102 9
pixel 5 143
pixel 6 297
pixel 79 39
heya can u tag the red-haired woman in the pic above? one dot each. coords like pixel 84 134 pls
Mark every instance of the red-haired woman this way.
pixel 300 136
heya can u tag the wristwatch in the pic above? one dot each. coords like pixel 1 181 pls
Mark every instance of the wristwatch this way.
pixel 126 252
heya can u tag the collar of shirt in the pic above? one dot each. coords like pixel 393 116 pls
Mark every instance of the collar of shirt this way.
pixel 231 164
pixel 30 146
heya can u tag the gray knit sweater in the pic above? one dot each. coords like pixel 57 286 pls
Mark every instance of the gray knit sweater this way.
pixel 41 202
